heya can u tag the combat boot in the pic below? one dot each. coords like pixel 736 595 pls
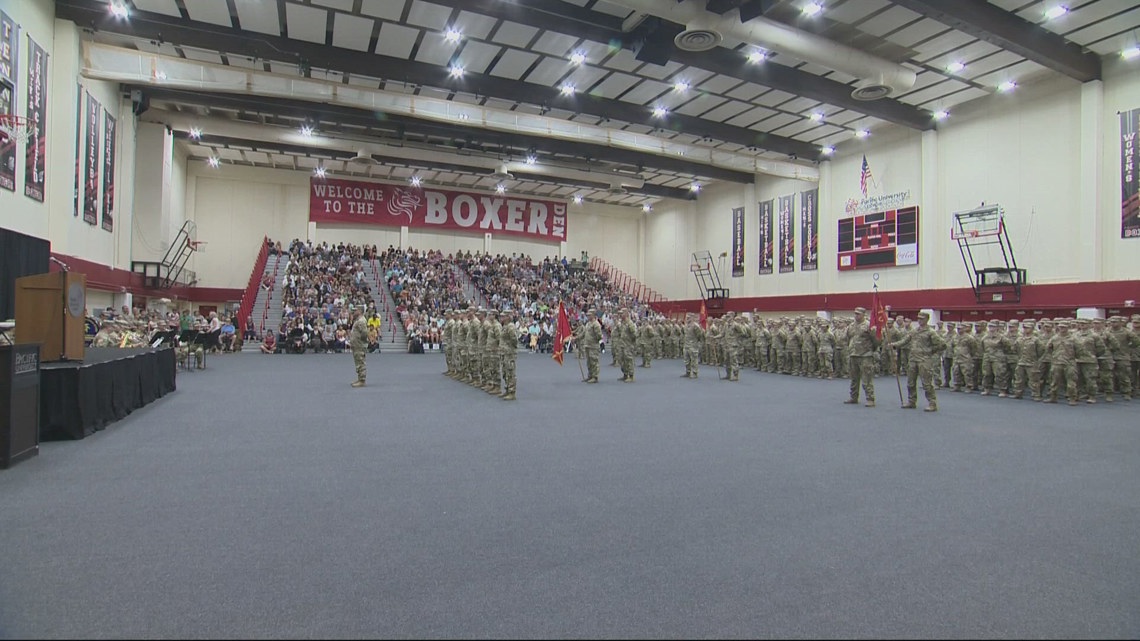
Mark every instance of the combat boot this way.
pixel 628 379
pixel 1108 398
pixel 495 390
pixel 358 383
pixel 930 408
pixel 592 379
pixel 851 401
pixel 869 404
pixel 509 397
pixel 910 406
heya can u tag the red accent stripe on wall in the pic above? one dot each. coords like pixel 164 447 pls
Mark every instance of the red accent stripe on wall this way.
pixel 1061 296
pixel 110 279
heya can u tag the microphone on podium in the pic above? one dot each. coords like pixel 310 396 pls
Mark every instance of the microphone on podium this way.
pixel 62 265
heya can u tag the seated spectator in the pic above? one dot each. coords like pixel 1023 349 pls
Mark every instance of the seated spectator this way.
pixel 269 345
pixel 229 333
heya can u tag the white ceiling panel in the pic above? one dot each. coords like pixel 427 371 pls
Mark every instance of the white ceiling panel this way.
pixel 306 23
pixel 210 57
pixel 254 17
pixel 718 84
pixel 585 76
pixel 750 116
pixel 854 10
pixel 343 5
pixel 555 44
pixel 352 32
pixel 747 92
pixel 726 111
pixel 917 32
pixel 942 45
pixel 659 72
pixel 646 91
pixel 385 9
pixel 957 98
pixel 430 16
pixel 773 98
pixel 396 40
pixel 435 49
pixel 1105 28
pixel 548 72
pixel 988 64
pixel 890 20
pixel 211 11
pixel 1088 13
pixel 474 25
pixel 514 34
pixel 935 91
pixel 775 122
pixel 1019 72
pixel 513 64
pixel 476 56
pixel 701 104
pixel 165 7
pixel 614 85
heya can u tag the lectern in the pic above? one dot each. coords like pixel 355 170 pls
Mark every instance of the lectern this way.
pixel 50 310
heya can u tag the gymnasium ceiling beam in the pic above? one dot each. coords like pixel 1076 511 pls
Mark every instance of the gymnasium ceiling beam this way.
pixel 1001 28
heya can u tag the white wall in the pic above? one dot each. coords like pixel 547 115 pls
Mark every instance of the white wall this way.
pixel 1049 154
pixel 234 207
pixel 53 219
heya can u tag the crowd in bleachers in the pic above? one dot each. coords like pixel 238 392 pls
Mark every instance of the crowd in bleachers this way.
pixel 424 285
pixel 322 284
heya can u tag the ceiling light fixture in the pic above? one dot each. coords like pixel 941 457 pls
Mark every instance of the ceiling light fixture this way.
pixel 647 208
pixel 955 67
pixel 119 10
pixel 195 133
pixel 455 71
pixel 827 150
pixel 1130 53
pixel 453 35
pixel 213 161
pixel 500 189
pixel 319 172
pixel 812 9
pixel 306 130
pixel 160 75
pixel 816 117
pixel 577 199
pixel 415 181
pixel 695 187
pixel 757 56
pixel 531 159
pixel 577 58
pixel 568 89
pixel 681 85
pixel 941 114
pixel 1056 12
pixel 660 112
pixel 862 133
pixel 1008 85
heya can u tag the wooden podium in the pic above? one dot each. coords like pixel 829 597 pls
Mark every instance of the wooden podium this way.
pixel 50 310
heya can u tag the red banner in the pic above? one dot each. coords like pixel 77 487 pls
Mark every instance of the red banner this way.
pixel 363 203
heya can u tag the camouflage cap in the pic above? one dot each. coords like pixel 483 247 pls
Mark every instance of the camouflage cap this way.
pixel 992 323
pixel 925 315
pixel 1098 321
pixel 1028 323
pixel 1083 321
pixel 860 310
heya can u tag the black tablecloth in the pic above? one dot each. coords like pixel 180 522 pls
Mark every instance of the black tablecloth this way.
pixel 76 399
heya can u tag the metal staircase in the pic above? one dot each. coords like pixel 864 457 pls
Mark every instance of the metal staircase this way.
pixel 171 270
pixel 470 291
pixel 393 338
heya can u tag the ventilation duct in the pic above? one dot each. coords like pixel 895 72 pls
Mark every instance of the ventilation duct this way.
pixel 704 30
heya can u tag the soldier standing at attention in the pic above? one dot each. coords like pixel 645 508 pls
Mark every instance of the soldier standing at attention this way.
pixel 494 356
pixel 1087 373
pixel 508 354
pixel 626 332
pixel 358 341
pixel 1030 350
pixel 591 345
pixel 863 345
pixel 1063 356
pixel 826 340
pixel 1105 358
pixel 694 340
pixel 962 368
pixel 646 337
pixel 1122 342
pixel 923 343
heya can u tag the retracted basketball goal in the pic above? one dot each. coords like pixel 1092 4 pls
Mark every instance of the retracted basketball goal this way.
pixel 987 254
pixel 13 129
pixel 708 280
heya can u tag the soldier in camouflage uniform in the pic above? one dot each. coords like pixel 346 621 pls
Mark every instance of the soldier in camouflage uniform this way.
pixel 1106 362
pixel 739 336
pixel 493 358
pixel 921 344
pixel 358 342
pixel 694 340
pixel 994 348
pixel 508 354
pixel 1062 354
pixel 590 344
pixel 863 345
pixel 646 342
pixel 1122 342
pixel 1086 350
pixel 826 340
pixel 1030 351
pixel 794 346
pixel 962 367
pixel 779 334
pixel 626 332
pixel 809 349
pixel 474 348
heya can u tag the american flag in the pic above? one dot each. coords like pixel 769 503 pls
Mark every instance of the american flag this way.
pixel 865 176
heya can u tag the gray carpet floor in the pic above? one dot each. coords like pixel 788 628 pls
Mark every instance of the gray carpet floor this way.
pixel 268 499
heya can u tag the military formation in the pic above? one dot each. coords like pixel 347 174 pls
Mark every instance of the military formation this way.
pixel 481 348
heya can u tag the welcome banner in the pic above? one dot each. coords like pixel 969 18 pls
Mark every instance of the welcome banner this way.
pixel 91 162
pixel 108 171
pixel 35 154
pixel 766 236
pixel 787 236
pixel 1129 179
pixel 737 242
pixel 809 230
pixel 356 202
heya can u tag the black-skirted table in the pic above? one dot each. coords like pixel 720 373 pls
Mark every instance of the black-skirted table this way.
pixel 78 398
pixel 19 403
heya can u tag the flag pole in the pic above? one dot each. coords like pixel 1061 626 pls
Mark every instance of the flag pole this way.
pixel 897 353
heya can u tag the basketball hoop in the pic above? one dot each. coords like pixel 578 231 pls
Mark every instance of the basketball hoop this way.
pixel 13 129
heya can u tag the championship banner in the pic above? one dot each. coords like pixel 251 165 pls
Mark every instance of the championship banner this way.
pixel 108 171
pixel 364 203
pixel 78 147
pixel 1129 181
pixel 35 154
pixel 766 236
pixel 9 57
pixel 809 230
pixel 787 236
pixel 737 242
pixel 91 162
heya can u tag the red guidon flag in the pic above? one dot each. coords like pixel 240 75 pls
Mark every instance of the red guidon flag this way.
pixel 562 334
pixel 879 318
pixel 704 317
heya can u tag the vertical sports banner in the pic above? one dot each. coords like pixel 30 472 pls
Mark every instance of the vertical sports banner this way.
pixel 35 154
pixel 108 171
pixel 91 162
pixel 766 236
pixel 78 148
pixel 737 242
pixel 787 236
pixel 1129 181
pixel 809 230
pixel 9 57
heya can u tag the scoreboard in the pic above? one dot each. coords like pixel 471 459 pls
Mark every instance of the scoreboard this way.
pixel 882 239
